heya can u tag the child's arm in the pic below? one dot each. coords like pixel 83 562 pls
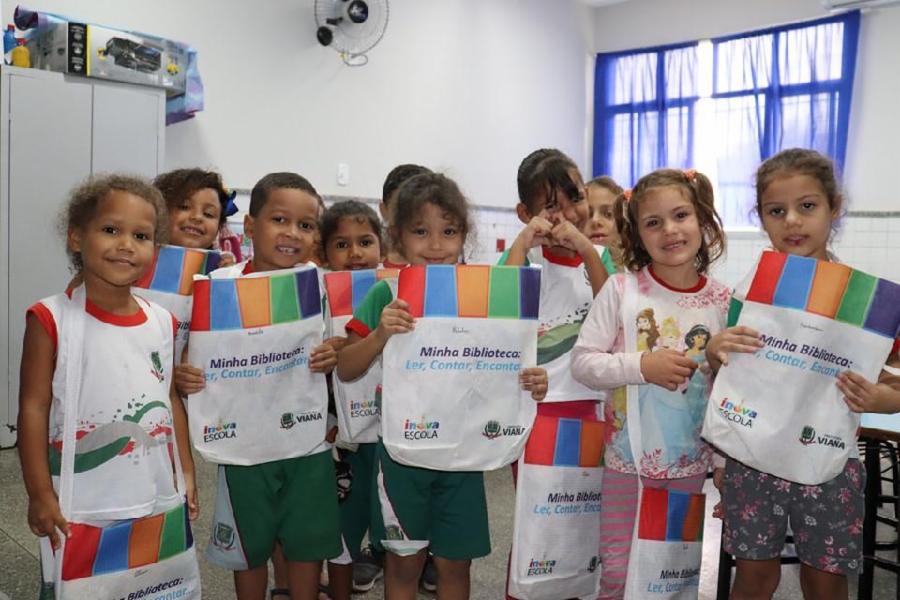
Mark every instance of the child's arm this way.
pixel 593 362
pixel 35 396
pixel 861 395
pixel 534 380
pixel 594 365
pixel 734 339
pixel 182 438
pixel 569 236
pixel 360 352
pixel 534 234
pixel 188 379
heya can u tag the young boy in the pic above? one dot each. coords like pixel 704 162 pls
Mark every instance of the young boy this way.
pixel 290 501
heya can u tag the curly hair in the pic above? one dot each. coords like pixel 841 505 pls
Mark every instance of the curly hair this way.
pixel 697 188
pixel 432 188
pixel 179 185
pixel 84 200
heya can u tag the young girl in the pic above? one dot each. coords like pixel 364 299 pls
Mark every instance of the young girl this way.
pixel 553 207
pixel 443 510
pixel 798 201
pixel 670 235
pixel 351 240
pixel 112 224
pixel 197 205
pixel 601 225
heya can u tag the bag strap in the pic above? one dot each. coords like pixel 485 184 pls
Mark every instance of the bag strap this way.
pixel 71 351
pixel 633 407
pixel 165 330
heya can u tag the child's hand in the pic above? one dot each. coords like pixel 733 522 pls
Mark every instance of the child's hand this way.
pixel 395 318
pixel 565 234
pixel 861 395
pixel 226 259
pixel 534 379
pixel 190 492
pixel 667 368
pixel 337 342
pixel 537 232
pixel 323 358
pixel 45 518
pixel 331 434
pixel 733 339
pixel 188 380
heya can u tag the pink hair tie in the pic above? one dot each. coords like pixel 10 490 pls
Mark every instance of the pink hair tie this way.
pixel 627 195
pixel 690 175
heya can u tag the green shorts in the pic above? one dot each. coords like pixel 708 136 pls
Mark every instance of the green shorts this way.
pixel 356 509
pixel 292 501
pixel 414 508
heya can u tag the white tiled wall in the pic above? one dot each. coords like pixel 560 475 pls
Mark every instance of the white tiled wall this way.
pixel 866 241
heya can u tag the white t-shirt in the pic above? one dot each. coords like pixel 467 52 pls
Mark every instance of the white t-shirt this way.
pixel 566 296
pixel 125 434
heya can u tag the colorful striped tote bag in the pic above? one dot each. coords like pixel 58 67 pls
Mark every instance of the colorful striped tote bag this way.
pixel 557 520
pixel 252 336
pixel 169 281
pixel 357 402
pixel 779 410
pixel 451 398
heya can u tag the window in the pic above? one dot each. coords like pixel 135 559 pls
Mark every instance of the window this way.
pixel 725 105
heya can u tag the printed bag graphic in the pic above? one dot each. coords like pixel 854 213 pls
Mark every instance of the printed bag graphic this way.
pixel 778 410
pixel 557 522
pixel 169 281
pixel 358 408
pixel 451 394
pixel 667 546
pixel 252 336
pixel 112 562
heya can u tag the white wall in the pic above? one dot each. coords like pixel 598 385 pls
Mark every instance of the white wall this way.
pixel 874 121
pixel 466 86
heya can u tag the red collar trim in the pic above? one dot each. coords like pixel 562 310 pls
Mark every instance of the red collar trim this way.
pixel 566 261
pixel 392 265
pixel 691 290
pixel 137 318
pixel 248 268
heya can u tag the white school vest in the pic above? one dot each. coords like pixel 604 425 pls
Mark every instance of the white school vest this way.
pixel 123 464
pixel 566 297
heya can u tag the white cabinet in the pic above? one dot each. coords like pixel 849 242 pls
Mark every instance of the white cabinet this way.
pixel 55 131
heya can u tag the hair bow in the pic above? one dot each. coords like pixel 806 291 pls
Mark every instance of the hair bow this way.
pixel 228 205
pixel 690 175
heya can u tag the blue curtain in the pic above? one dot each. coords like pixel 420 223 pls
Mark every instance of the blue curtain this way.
pixel 779 88
pixel 772 89
pixel 644 115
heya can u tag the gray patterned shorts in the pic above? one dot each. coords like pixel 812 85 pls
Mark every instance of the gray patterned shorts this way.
pixel 826 520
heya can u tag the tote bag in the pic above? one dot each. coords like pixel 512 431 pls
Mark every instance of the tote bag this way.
pixel 252 336
pixel 667 542
pixel 779 410
pixel 169 281
pixel 135 558
pixel 451 394
pixel 358 407
pixel 557 518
